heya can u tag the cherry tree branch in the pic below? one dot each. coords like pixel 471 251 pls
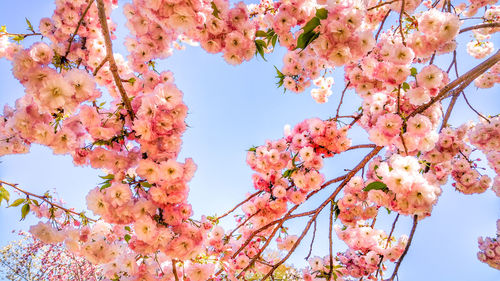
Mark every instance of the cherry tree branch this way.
pixel 398 264
pixel 70 40
pixel 479 26
pixel 112 63
pixel 473 109
pixel 318 210
pixel 241 203
pixel 45 199
pixel 462 82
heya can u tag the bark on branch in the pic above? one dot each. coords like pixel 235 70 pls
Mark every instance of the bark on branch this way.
pixel 111 59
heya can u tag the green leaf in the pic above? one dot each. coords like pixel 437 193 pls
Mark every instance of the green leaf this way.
pixel 413 71
pixel 322 13
pixel 25 210
pixel 146 184
pixel 104 186
pixel 376 185
pixel 274 40
pixel 108 177
pixel 336 210
pixel 127 228
pixel 406 86
pixel 279 73
pixel 288 173
pixel 305 39
pixel 388 211
pixel 259 48
pixel 311 25
pixel 216 11
pixel 18 202
pixel 18 38
pixel 4 195
pixel 127 237
pixel 253 148
pixel 30 27
pixel 260 33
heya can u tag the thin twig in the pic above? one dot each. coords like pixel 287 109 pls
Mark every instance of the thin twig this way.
pixel 381 4
pixel 473 109
pixel 45 199
pixel 479 26
pixel 382 24
pixel 241 203
pixel 112 63
pixel 462 82
pixel 401 22
pixel 70 40
pixel 174 269
pixel 448 111
pixel 341 99
pixel 103 62
pixel 312 241
pixel 398 264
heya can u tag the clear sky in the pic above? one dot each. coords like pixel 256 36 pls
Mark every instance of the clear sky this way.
pixel 233 108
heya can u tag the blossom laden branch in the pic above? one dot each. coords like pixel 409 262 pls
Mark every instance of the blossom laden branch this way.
pixel 461 82
pixel 111 59
pixel 47 200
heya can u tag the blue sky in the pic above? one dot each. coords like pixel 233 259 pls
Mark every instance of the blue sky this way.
pixel 233 108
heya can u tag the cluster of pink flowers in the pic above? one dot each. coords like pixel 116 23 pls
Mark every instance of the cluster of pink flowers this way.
pixel 489 78
pixel 145 229
pixel 490 249
pixel 408 191
pixel 342 38
pixel 368 247
pixel 452 156
pixel 301 152
pixel 354 205
pixel 475 5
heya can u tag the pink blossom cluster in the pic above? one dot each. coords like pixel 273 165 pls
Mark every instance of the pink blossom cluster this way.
pixel 490 249
pixel 408 191
pixel 354 205
pixel 343 37
pixel 452 156
pixel 436 32
pixel 489 78
pixel 368 247
pixel 486 136
pixel 366 240
pixel 301 152
pixel 475 5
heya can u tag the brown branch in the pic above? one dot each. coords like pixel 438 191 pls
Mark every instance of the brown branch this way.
pixel 330 240
pixel 103 62
pixel 174 269
pixel 112 63
pixel 24 35
pixel 381 4
pixel 312 241
pixel 361 146
pixel 479 26
pixel 342 98
pixel 320 208
pixel 462 82
pixel 243 223
pixel 241 203
pixel 382 24
pixel 70 40
pixel 473 109
pixel 415 221
pixel 401 21
pixel 448 111
pixel 45 199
